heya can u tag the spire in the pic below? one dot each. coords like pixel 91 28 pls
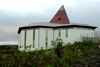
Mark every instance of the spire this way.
pixel 62 8
pixel 60 17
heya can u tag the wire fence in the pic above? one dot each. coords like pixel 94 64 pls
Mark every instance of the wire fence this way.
pixel 93 39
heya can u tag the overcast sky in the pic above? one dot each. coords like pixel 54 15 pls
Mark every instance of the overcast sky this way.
pixel 16 13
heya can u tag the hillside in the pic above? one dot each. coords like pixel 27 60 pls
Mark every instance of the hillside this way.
pixel 79 54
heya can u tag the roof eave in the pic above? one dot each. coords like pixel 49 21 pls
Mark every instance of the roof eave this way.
pixel 54 27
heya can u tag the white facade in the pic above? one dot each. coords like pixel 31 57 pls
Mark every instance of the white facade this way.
pixel 41 37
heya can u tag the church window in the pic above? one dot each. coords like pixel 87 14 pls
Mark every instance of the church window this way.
pixel 59 33
pixel 66 32
pixel 59 19
pixel 25 40
pixel 34 38
pixel 46 39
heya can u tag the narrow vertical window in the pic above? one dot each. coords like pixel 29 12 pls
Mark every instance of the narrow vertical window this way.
pixel 34 38
pixel 46 39
pixel 20 38
pixel 53 34
pixel 91 34
pixel 66 32
pixel 25 40
pixel 38 36
pixel 59 33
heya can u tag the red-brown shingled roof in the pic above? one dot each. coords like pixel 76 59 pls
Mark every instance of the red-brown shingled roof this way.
pixel 60 17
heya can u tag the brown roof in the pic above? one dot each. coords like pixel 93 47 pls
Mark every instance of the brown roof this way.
pixel 60 17
pixel 53 25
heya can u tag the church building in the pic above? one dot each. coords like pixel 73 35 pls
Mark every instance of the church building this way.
pixel 39 35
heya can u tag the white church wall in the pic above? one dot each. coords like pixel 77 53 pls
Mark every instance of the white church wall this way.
pixel 67 36
pixel 56 34
pixel 29 38
pixel 63 35
pixel 71 35
pixel 42 38
pixel 66 39
pixel 19 40
pixel 83 32
pixel 50 37
pixel 22 35
pixel 36 38
pixel 74 34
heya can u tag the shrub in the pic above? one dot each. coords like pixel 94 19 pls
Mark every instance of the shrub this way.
pixel 70 55
pixel 58 47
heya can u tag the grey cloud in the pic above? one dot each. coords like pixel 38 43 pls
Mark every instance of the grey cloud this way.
pixel 10 21
pixel 87 13
pixel 84 11
pixel 8 37
pixel 15 18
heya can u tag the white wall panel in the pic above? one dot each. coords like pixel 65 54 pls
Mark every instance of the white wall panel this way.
pixel 42 38
pixel 36 38
pixel 50 37
pixel 19 40
pixel 22 33
pixel 63 35
pixel 70 36
pixel 79 33
pixel 74 34
pixel 56 34
pixel 29 38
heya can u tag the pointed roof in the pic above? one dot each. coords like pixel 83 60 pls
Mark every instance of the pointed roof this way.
pixel 62 8
pixel 60 17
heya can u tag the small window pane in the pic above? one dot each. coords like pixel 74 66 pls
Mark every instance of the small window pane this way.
pixel 25 40
pixel 59 33
pixel 34 38
pixel 46 39
pixel 66 32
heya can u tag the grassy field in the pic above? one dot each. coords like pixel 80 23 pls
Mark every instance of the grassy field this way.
pixel 79 54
